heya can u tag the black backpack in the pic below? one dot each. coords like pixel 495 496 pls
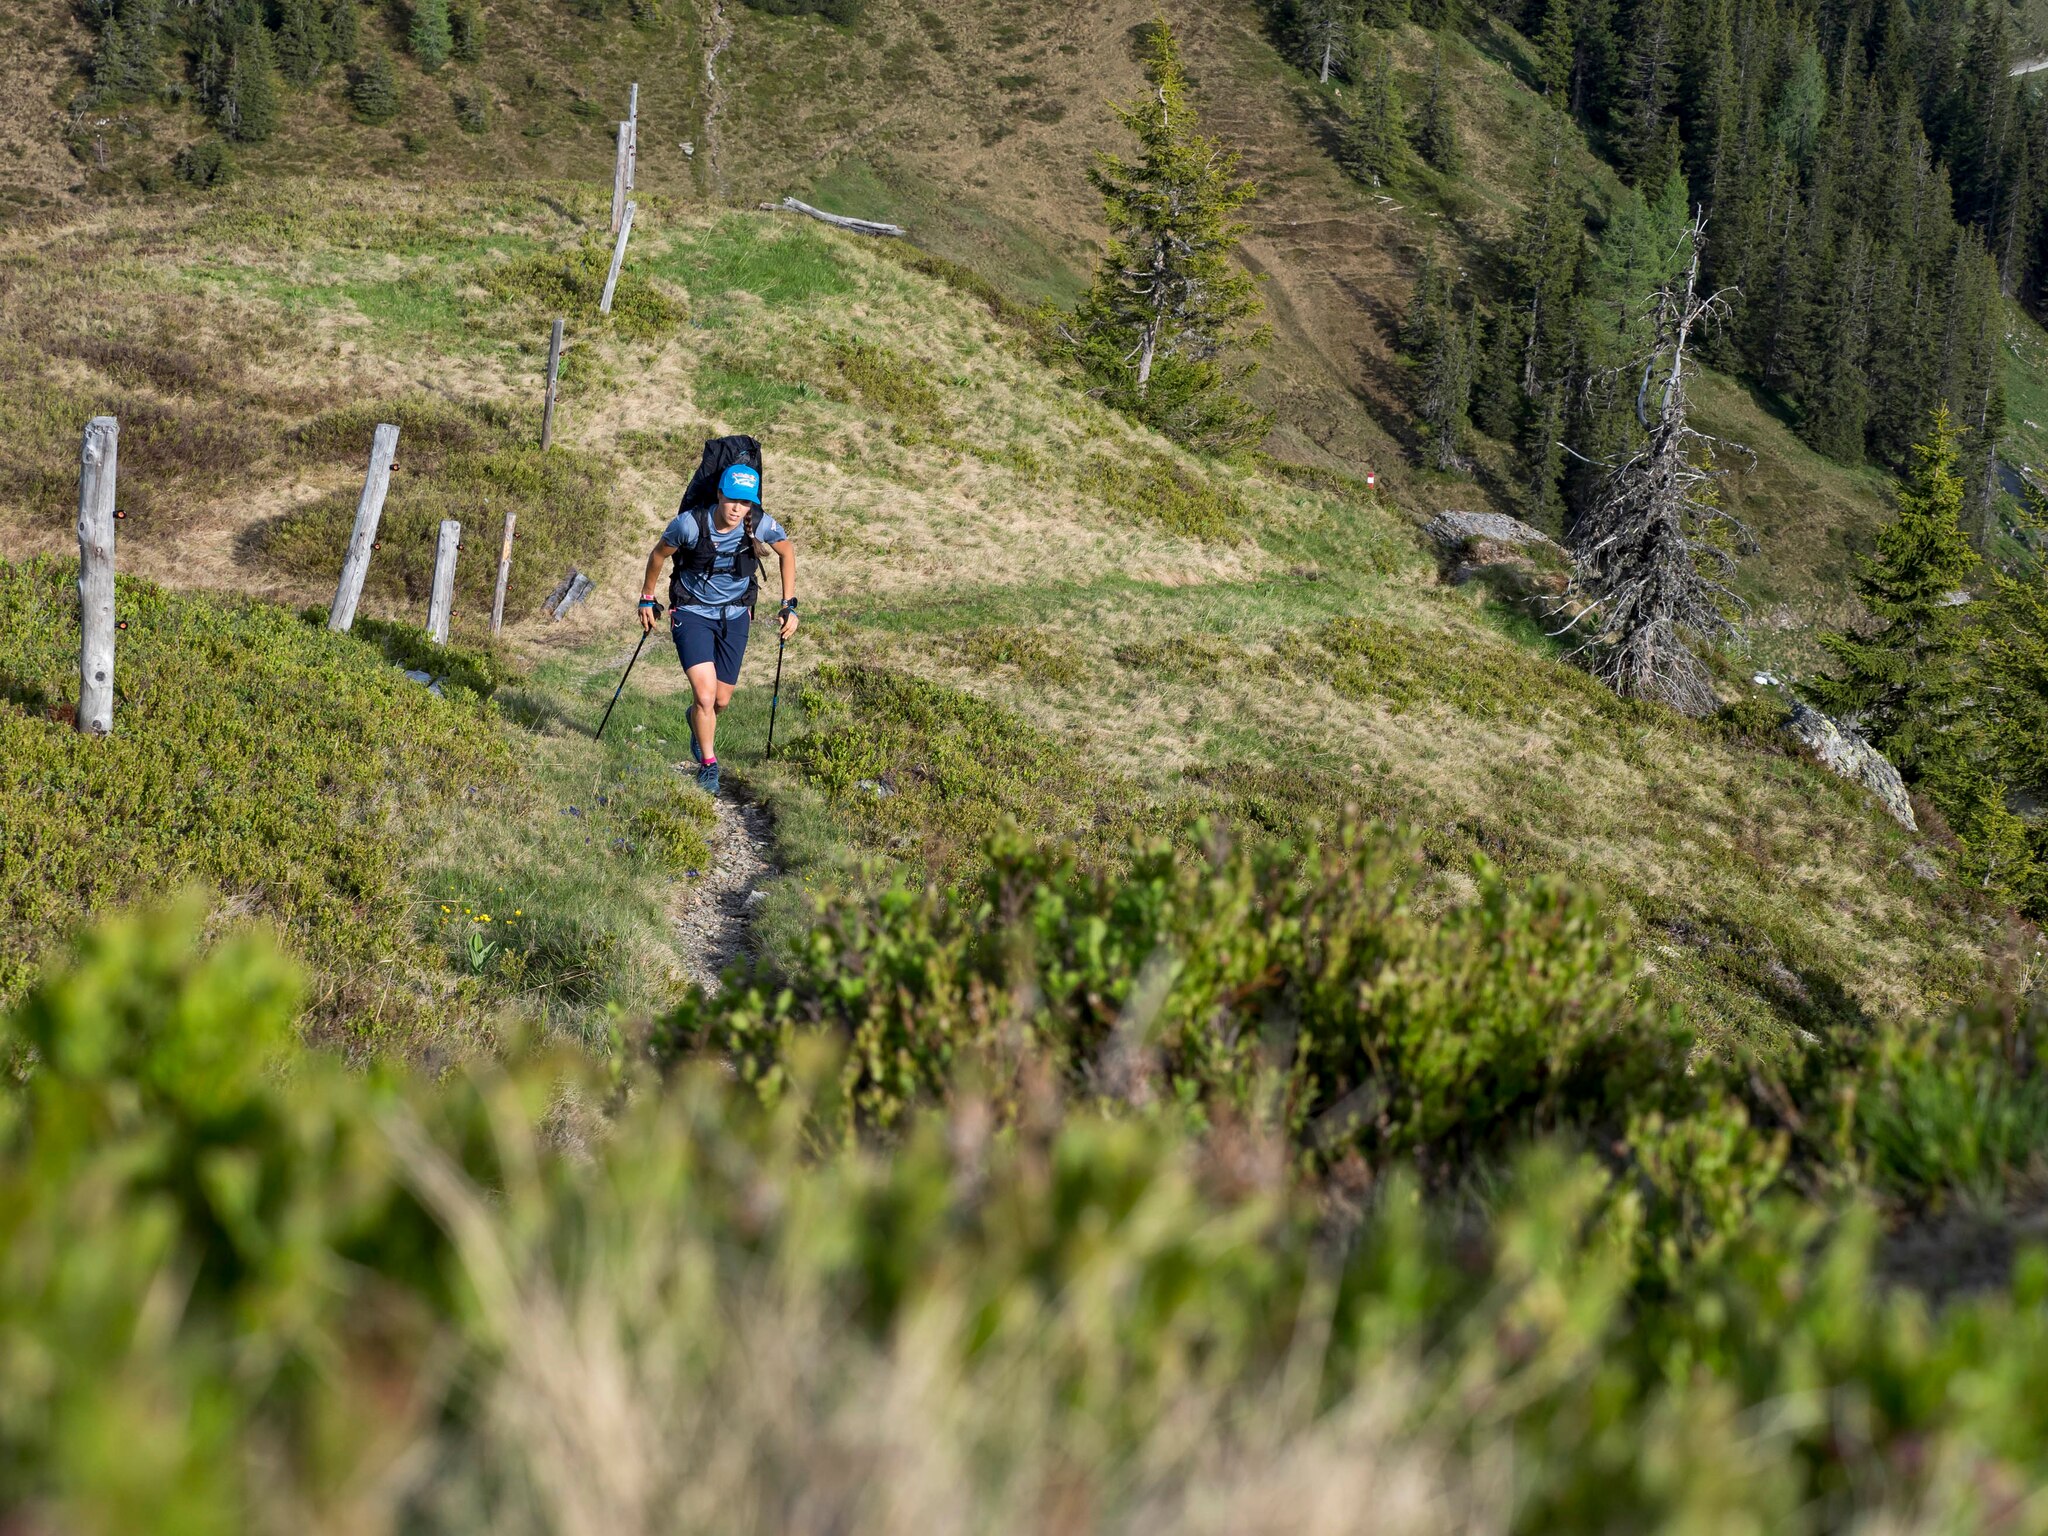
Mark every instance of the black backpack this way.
pixel 720 454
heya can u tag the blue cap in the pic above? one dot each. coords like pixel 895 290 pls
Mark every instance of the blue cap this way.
pixel 740 482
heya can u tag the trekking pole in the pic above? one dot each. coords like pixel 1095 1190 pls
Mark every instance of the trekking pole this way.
pixel 776 702
pixel 622 681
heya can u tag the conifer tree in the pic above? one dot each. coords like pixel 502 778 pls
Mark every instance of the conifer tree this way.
pixel 1168 323
pixel 1556 52
pixel 301 41
pixel 373 92
pixel 1444 388
pixel 1436 132
pixel 247 108
pixel 342 31
pixel 466 30
pixel 1900 679
pixel 1649 552
pixel 1372 137
pixel 1643 139
pixel 429 39
pixel 124 59
pixel 1327 28
pixel 1496 381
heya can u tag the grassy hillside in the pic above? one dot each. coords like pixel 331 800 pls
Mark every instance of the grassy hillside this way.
pixel 975 127
pixel 1147 635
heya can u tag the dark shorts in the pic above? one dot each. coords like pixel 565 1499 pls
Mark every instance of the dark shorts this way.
pixel 722 642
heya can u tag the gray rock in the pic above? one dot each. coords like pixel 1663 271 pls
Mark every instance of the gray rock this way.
pixel 1844 752
pixel 1453 530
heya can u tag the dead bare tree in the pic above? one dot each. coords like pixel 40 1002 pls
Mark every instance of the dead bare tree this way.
pixel 1653 552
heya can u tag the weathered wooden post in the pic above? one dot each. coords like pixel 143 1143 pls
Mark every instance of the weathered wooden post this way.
pixel 504 574
pixel 611 281
pixel 632 133
pixel 621 152
pixel 369 508
pixel 442 599
pixel 96 469
pixel 547 408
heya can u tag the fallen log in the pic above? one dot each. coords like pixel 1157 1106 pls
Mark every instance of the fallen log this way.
pixel 841 221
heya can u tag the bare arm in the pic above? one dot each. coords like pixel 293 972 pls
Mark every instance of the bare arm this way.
pixel 651 584
pixel 785 554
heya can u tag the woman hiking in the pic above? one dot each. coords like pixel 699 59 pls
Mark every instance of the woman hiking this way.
pixel 711 598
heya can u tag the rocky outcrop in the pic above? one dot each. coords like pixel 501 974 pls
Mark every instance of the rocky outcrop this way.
pixel 1504 551
pixel 1844 752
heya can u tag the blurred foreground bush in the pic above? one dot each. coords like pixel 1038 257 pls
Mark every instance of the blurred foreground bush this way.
pixel 241 1288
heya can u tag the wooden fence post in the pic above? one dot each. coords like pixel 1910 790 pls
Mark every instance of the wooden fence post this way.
pixel 369 508
pixel 443 596
pixel 611 281
pixel 632 133
pixel 547 409
pixel 504 574
pixel 96 469
pixel 621 151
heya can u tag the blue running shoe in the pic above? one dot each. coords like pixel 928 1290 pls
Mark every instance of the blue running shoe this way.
pixel 707 777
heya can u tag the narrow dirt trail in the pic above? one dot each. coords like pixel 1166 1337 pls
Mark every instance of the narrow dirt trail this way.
pixel 721 39
pixel 713 915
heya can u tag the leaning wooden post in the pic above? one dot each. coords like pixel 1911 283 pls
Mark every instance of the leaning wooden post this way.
pixel 443 596
pixel 547 407
pixel 369 508
pixel 96 468
pixel 611 281
pixel 504 574
pixel 621 152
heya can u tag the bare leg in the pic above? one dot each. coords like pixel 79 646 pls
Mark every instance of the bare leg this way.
pixel 705 686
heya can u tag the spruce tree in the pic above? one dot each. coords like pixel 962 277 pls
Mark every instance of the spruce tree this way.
pixel 124 59
pixel 1170 318
pixel 342 31
pixel 1444 388
pixel 1643 139
pixel 1372 137
pixel 373 92
pixel 466 30
pixel 429 39
pixel 301 41
pixel 1556 52
pixel 247 111
pixel 1327 28
pixel 1436 133
pixel 1900 679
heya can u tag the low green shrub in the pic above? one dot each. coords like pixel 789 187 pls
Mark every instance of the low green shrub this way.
pixel 571 283
pixel 1186 656
pixel 1029 650
pixel 285 768
pixel 884 381
pixel 928 772
pixel 1402 668
pixel 1149 486
pixel 1959 1110
pixel 1298 982
pixel 204 163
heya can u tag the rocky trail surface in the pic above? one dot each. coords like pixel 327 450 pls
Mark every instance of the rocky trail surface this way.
pixel 713 916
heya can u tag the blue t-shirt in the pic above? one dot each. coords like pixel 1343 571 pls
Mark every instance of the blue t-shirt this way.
pixel 713 596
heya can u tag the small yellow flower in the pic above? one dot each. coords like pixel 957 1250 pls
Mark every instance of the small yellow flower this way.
pixel 484 918
pixel 518 912
pixel 444 906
